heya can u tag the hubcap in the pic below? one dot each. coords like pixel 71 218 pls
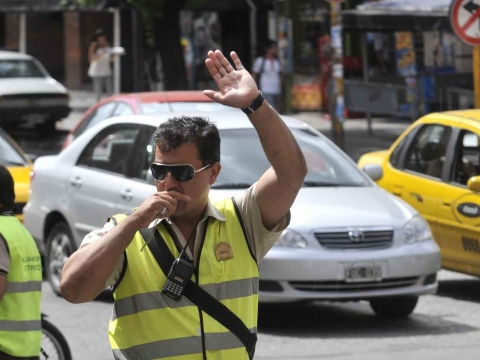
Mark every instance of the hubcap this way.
pixel 60 250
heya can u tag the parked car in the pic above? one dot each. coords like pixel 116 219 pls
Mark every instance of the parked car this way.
pixel 148 103
pixel 28 93
pixel 435 167
pixel 20 166
pixel 347 240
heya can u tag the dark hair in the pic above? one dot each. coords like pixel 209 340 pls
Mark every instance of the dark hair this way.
pixel 99 32
pixel 197 130
pixel 7 191
pixel 269 43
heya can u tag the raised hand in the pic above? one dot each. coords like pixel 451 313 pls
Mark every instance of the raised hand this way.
pixel 237 87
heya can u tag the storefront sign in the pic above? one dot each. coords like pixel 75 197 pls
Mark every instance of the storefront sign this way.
pixel 465 20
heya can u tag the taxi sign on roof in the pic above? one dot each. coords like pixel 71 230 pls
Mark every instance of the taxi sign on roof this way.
pixel 465 20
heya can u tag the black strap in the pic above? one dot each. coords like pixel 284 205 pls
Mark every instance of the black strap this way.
pixel 201 298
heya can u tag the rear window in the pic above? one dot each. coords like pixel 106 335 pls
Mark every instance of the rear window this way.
pixel 19 69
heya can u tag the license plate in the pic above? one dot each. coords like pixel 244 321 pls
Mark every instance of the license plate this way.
pixel 363 273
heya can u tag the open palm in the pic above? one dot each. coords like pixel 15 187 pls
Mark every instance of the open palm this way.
pixel 237 87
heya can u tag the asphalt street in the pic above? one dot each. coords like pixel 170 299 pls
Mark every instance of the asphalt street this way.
pixel 444 326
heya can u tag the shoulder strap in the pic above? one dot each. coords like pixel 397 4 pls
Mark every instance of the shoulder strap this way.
pixel 201 298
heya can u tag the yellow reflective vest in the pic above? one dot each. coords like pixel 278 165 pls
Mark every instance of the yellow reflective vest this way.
pixel 147 324
pixel 20 318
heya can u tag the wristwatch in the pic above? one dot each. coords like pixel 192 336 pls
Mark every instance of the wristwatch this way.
pixel 255 104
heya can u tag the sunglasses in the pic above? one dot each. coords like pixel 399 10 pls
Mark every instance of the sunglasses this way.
pixel 181 173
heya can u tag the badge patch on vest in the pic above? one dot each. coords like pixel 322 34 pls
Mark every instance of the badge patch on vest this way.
pixel 223 251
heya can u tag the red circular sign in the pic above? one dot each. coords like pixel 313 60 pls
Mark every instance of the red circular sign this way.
pixel 465 20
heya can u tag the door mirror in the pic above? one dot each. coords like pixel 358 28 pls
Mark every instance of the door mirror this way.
pixel 473 184
pixel 375 171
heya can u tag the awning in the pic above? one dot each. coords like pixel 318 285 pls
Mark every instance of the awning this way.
pixel 398 15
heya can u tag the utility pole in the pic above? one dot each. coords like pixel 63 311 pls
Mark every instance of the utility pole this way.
pixel 337 110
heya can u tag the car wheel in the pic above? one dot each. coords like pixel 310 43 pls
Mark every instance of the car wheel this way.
pixel 395 307
pixel 59 248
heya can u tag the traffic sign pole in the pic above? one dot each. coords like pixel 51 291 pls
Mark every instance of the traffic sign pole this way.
pixel 476 75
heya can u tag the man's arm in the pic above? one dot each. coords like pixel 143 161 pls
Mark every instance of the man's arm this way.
pixel 278 187
pixel 87 270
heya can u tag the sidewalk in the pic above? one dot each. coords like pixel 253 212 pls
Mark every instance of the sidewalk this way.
pixel 357 139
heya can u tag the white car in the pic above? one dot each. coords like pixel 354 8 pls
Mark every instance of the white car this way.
pixel 28 93
pixel 347 240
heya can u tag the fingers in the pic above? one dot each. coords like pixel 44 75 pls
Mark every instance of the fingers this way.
pixel 223 60
pixel 218 65
pixel 236 60
pixel 213 71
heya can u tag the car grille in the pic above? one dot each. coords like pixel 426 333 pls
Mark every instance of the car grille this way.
pixel 18 208
pixel 355 239
pixel 336 286
pixel 34 96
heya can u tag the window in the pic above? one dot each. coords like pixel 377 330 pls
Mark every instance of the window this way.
pixel 426 155
pixel 122 109
pixel 19 69
pixel 397 152
pixel 111 149
pixel 467 158
pixel 101 113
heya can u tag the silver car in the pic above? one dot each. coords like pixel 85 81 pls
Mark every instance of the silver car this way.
pixel 347 240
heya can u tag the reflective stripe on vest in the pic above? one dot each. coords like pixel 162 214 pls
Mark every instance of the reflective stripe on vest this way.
pixel 146 324
pixel 20 323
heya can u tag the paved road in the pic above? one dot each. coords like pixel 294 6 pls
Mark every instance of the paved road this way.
pixel 444 326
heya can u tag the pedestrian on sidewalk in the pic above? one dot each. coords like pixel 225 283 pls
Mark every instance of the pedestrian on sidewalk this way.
pixel 100 57
pixel 213 245
pixel 20 282
pixel 267 72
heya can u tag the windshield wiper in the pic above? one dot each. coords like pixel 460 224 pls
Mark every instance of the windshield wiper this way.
pixel 231 186
pixel 318 184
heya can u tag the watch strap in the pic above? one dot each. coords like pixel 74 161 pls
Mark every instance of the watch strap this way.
pixel 255 104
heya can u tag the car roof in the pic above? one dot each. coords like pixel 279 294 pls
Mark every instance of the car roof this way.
pixel 471 116
pixel 232 119
pixel 164 96
pixel 6 55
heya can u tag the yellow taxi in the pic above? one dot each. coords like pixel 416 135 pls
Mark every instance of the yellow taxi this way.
pixel 435 167
pixel 19 165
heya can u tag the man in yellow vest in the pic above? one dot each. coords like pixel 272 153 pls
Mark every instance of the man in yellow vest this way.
pixel 20 282
pixel 219 241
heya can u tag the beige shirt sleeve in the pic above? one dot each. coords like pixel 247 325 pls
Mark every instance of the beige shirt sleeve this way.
pixel 4 257
pixel 259 238
pixel 94 236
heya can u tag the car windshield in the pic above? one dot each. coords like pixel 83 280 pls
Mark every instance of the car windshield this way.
pixel 185 107
pixel 9 156
pixel 19 69
pixel 243 161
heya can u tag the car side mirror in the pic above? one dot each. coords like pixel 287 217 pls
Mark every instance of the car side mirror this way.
pixel 374 171
pixel 473 184
pixel 149 177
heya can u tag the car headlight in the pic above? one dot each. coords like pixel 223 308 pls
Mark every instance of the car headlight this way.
pixel 292 239
pixel 417 230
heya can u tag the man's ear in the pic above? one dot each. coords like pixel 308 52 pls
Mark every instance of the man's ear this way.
pixel 214 173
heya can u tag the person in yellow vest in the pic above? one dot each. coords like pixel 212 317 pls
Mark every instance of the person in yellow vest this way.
pixel 221 241
pixel 20 281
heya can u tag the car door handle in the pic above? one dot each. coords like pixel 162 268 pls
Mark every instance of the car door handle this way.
pixel 446 202
pixel 126 195
pixel 417 196
pixel 397 190
pixel 77 182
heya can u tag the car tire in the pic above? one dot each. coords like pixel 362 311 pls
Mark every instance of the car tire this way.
pixel 398 307
pixel 59 248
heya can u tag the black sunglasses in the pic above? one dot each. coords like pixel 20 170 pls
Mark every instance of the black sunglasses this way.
pixel 181 173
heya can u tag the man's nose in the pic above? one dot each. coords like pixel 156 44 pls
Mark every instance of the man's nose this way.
pixel 170 182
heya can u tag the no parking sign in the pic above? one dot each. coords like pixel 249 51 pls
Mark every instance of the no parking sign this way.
pixel 465 20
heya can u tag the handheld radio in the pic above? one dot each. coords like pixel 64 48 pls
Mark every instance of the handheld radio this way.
pixel 178 277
